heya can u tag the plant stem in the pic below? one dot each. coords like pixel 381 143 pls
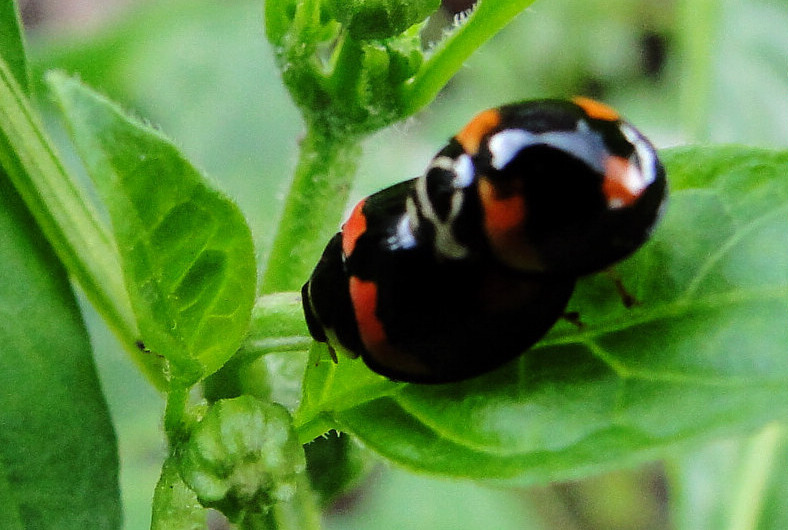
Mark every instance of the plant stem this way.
pixel 313 209
pixel 697 27
pixel 175 420
pixel 64 213
pixel 275 317
pixel 757 464
pixel 489 17
pixel 724 484
pixel 277 325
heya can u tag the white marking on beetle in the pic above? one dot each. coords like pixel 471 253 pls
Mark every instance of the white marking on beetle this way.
pixel 445 242
pixel 587 146
pixel 644 171
pixel 442 162
pixel 403 238
pixel 463 171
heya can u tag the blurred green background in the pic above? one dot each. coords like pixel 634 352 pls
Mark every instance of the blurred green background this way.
pixel 201 70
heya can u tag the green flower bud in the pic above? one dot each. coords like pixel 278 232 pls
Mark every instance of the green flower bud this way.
pixel 379 19
pixel 243 458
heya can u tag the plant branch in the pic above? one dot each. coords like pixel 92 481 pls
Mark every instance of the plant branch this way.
pixel 64 213
pixel 489 17
pixel 697 27
pixel 313 208
pixel 757 465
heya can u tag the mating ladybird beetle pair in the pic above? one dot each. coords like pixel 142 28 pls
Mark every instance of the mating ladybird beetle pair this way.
pixel 451 274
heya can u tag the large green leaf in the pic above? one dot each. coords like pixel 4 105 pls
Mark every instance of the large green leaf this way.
pixel 702 355
pixel 58 456
pixel 51 404
pixel 187 254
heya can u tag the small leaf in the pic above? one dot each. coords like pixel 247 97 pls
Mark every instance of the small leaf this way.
pixel 703 355
pixel 12 47
pixel 278 16
pixel 335 463
pixel 58 454
pixel 175 506
pixel 331 387
pixel 379 19
pixel 187 254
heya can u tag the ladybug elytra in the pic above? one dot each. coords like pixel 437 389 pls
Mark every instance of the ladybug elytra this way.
pixel 451 274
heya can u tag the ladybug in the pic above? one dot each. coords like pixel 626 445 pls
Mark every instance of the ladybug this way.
pixel 451 274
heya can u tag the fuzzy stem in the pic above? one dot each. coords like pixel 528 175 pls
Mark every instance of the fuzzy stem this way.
pixel 487 19
pixel 313 208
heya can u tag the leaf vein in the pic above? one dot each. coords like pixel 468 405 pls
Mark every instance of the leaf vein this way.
pixel 674 309
pixel 723 249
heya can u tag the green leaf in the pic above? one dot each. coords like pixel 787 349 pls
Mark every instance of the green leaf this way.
pixel 65 214
pixel 703 355
pixel 12 48
pixel 331 387
pixel 58 455
pixel 379 19
pixel 335 463
pixel 186 252
pixel 175 506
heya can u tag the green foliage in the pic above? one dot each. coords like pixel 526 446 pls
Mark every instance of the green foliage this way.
pixel 186 252
pixel 243 458
pixel 62 210
pixel 353 69
pixel 631 383
pixel 334 463
pixel 13 49
pixel 701 356
pixel 379 19
pixel 51 403
pixel 346 89
pixel 175 505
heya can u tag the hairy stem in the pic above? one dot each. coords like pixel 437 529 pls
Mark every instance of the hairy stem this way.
pixel 313 208
pixel 489 17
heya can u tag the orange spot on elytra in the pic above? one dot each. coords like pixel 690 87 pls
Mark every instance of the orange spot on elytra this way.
pixel 597 110
pixel 614 186
pixel 470 137
pixel 500 214
pixel 504 224
pixel 364 295
pixel 353 228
